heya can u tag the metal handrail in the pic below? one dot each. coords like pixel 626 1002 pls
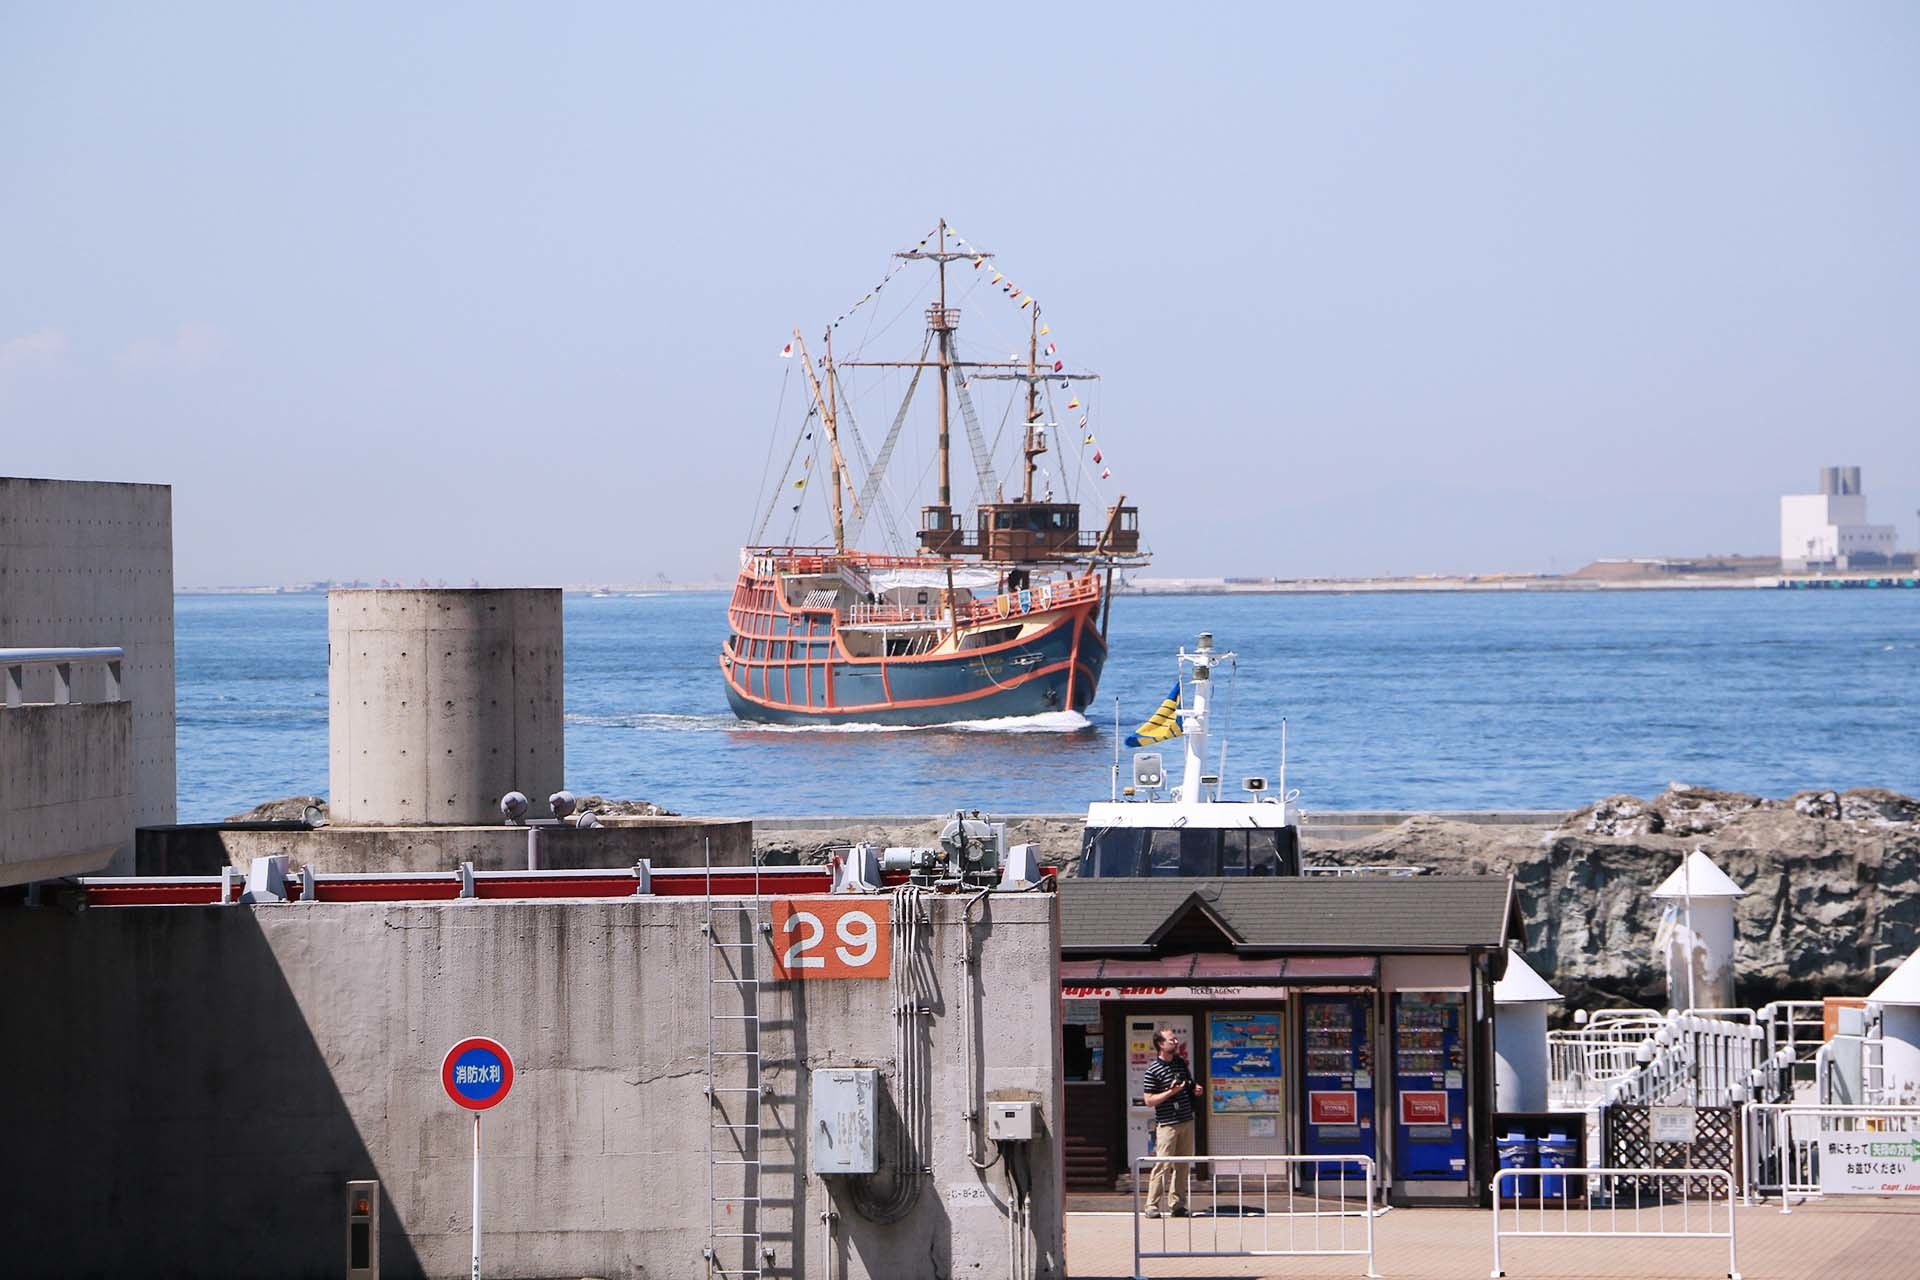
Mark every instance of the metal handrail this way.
pixel 15 663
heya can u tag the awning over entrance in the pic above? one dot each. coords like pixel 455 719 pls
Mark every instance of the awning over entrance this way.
pixel 1208 976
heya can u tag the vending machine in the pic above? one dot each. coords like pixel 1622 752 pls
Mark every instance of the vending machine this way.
pixel 1430 1086
pixel 1336 1080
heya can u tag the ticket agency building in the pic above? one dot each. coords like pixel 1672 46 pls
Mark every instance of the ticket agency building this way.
pixel 1325 1016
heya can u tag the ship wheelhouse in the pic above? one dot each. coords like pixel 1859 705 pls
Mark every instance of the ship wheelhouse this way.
pixel 1189 850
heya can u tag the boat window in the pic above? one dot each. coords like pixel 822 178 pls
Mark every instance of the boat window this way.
pixel 1183 851
pixel 1115 851
pixel 1003 520
pixel 1233 853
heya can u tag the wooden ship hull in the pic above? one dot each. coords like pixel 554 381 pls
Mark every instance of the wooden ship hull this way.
pixel 795 657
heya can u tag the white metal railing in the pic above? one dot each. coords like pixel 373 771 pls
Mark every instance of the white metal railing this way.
pixel 1585 1063
pixel 1797 1025
pixel 1677 1204
pixel 1254 1209
pixel 1328 869
pixel 15 663
pixel 1694 1061
pixel 1783 1157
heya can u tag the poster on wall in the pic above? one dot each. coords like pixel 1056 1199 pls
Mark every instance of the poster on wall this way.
pixel 1243 1062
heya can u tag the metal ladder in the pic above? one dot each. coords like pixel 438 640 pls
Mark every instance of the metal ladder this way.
pixel 734 1071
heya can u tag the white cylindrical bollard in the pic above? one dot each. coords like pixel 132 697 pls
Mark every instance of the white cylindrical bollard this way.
pixel 1520 1057
pixel 1520 1001
pixel 1698 934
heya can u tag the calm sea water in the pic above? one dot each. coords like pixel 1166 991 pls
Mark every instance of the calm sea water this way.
pixel 1392 702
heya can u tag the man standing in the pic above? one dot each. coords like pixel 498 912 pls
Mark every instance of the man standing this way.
pixel 1169 1089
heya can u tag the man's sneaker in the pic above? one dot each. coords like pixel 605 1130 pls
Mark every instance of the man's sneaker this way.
pixel 1181 1212
pixel 1153 1213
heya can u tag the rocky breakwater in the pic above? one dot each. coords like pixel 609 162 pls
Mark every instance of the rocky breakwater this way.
pixel 1832 881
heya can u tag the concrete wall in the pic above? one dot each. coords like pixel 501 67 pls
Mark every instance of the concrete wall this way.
pixel 203 1118
pixel 441 702
pixel 204 848
pixel 84 563
pixel 66 788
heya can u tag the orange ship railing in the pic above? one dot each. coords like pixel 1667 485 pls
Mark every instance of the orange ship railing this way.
pixel 1014 604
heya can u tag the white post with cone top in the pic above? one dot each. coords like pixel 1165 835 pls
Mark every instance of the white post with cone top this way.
pixel 1520 1001
pixel 1699 939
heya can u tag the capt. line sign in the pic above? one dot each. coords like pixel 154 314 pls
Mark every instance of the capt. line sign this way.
pixel 477 1073
pixel 1871 1164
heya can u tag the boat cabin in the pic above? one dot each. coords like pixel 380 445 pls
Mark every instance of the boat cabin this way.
pixel 1026 531
pixel 1192 848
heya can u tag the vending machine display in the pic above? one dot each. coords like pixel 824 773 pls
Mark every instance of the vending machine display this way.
pixel 1429 1079
pixel 1336 1079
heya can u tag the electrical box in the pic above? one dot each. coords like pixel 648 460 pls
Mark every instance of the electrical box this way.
pixel 363 1231
pixel 1010 1121
pixel 846 1110
pixel 1147 771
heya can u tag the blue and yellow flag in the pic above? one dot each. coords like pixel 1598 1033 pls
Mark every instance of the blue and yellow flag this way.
pixel 1162 724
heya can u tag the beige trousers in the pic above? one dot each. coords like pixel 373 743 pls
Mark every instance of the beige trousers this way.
pixel 1170 1140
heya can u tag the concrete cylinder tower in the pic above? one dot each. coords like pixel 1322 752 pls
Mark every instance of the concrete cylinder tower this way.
pixel 441 702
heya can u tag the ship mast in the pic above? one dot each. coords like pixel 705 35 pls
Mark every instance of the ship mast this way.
pixel 943 326
pixel 833 440
pixel 1032 451
pixel 827 401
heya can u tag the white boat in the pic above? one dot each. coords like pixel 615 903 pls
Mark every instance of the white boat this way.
pixel 1192 829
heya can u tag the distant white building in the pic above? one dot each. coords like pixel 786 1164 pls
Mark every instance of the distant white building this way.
pixel 1829 529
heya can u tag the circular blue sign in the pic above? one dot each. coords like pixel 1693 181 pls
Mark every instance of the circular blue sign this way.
pixel 477 1073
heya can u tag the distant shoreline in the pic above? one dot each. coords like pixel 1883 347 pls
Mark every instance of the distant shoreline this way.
pixel 1901 579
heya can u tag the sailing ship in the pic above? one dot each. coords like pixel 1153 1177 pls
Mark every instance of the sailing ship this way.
pixel 1003 615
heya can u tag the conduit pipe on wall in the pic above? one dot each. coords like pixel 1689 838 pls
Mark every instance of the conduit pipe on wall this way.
pixel 909 1006
pixel 967 1031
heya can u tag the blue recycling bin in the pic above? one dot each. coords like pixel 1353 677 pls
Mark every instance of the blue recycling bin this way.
pixel 1518 1151
pixel 1557 1151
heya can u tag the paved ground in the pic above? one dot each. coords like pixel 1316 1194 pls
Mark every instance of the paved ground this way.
pixel 1851 1240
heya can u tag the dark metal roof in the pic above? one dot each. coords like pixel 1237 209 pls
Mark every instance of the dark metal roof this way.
pixel 1205 969
pixel 1367 914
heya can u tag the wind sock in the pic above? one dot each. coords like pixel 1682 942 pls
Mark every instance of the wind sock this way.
pixel 1162 724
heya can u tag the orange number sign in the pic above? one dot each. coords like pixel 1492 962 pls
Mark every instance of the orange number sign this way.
pixel 823 938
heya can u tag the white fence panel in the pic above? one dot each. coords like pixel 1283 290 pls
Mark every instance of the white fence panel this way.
pixel 1253 1207
pixel 1679 1204
pixel 1783 1143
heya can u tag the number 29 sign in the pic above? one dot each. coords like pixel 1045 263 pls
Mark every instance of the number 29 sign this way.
pixel 824 938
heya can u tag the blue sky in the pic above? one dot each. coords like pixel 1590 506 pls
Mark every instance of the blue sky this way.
pixel 471 292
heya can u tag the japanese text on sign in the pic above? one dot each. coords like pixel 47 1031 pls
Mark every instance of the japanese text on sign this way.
pixel 1870 1164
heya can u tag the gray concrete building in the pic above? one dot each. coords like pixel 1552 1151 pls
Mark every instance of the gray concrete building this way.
pixel 440 702
pixel 86 564
pixel 197 1084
